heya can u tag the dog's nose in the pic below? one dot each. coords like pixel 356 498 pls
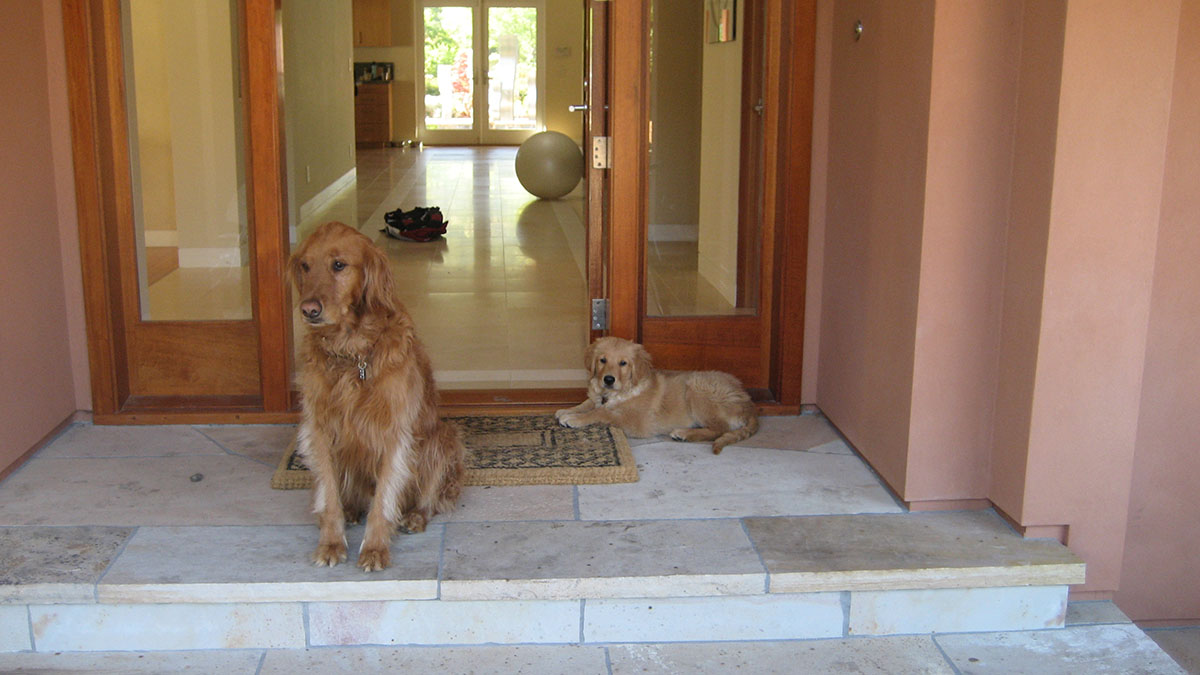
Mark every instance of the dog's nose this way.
pixel 608 380
pixel 311 309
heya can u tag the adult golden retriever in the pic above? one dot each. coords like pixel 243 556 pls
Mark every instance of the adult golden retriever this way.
pixel 627 392
pixel 369 428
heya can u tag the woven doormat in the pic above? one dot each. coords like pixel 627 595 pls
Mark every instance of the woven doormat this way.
pixel 517 450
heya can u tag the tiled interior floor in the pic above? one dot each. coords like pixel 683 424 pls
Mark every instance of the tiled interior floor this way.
pixel 186 510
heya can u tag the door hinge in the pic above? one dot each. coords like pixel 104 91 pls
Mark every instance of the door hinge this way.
pixel 601 152
pixel 599 314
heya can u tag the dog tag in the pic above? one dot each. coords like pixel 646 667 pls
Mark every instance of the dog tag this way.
pixel 362 370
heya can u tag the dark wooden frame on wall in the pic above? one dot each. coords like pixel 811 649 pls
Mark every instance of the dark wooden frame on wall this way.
pixel 117 346
pixel 770 344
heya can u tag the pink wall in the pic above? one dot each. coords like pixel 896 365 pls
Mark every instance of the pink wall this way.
pixel 1104 215
pixel 64 183
pixel 1036 124
pixel 817 202
pixel 35 350
pixel 994 185
pixel 877 149
pixel 1162 545
pixel 967 184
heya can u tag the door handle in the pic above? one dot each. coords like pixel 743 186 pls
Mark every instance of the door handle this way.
pixel 577 108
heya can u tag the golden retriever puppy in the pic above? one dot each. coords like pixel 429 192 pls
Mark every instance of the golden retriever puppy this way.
pixel 627 392
pixel 369 428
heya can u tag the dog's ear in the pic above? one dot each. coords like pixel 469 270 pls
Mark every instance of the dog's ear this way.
pixel 642 363
pixel 589 358
pixel 378 285
pixel 292 272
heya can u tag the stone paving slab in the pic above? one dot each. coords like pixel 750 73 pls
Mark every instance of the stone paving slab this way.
pixel 908 551
pixel 579 559
pixel 263 564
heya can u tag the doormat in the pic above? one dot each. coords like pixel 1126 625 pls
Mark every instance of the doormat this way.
pixel 517 450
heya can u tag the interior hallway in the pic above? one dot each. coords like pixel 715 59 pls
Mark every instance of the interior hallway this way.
pixel 501 300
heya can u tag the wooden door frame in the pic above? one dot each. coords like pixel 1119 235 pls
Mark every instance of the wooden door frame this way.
pixel 789 34
pixel 95 81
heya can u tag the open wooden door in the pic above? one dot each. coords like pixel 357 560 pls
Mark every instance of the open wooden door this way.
pixel 596 157
pixel 708 271
pixel 179 184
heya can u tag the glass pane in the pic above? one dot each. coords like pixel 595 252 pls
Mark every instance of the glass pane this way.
pixel 512 68
pixel 185 135
pixel 449 68
pixel 693 262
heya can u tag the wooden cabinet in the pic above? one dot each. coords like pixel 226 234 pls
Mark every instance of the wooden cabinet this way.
pixel 372 23
pixel 373 113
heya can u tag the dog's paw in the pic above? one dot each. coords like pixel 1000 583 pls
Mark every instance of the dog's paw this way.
pixel 558 414
pixel 328 555
pixel 412 523
pixel 374 559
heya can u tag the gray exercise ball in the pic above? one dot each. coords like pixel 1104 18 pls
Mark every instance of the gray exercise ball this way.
pixel 549 164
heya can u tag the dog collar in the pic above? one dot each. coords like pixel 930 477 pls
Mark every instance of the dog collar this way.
pixel 360 361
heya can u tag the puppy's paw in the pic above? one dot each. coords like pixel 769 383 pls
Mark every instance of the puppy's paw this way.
pixel 328 555
pixel 412 522
pixel 558 414
pixel 374 559
pixel 566 419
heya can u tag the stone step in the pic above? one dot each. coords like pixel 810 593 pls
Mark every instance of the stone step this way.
pixel 532 582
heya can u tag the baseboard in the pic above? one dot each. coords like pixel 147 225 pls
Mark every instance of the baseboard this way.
pixel 1167 623
pixel 949 505
pixel 1088 596
pixel 318 200
pixel 664 232
pixel 210 257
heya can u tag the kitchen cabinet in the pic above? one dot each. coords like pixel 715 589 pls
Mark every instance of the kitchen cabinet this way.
pixel 373 113
pixel 372 23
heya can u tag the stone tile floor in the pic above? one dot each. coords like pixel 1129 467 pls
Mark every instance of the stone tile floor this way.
pixel 87 520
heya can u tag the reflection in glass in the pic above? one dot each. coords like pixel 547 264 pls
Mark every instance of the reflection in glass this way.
pixel 449 68
pixel 512 68
pixel 693 262
pixel 185 134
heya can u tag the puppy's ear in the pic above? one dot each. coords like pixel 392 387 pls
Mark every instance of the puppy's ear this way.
pixel 379 287
pixel 590 358
pixel 642 363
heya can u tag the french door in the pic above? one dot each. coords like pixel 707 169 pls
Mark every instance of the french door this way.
pixel 480 71
pixel 711 139
pixel 152 364
pixel 174 113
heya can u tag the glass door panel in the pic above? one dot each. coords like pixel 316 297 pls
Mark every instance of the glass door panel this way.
pixel 701 251
pixel 449 68
pixel 480 62
pixel 187 165
pixel 512 68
